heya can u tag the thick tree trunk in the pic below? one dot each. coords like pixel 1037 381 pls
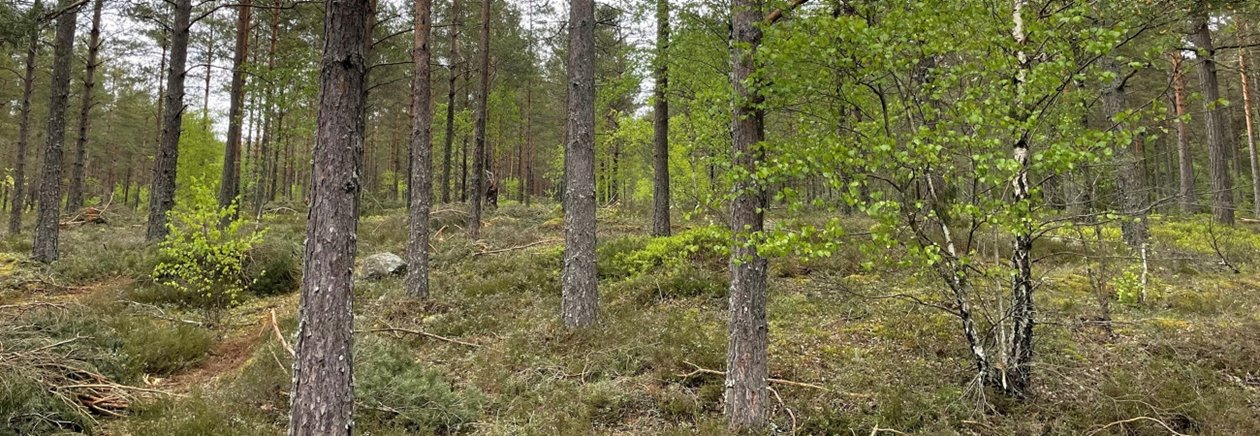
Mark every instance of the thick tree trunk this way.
pixel 47 227
pixel 24 132
pixel 421 182
pixel 747 402
pixel 1188 198
pixel 454 61
pixel 1217 134
pixel 323 375
pixel 660 125
pixel 581 295
pixel 74 195
pixel 477 188
pixel 162 195
pixel 1251 137
pixel 229 183
pixel 1130 180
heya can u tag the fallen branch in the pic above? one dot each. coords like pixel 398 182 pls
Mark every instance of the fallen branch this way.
pixel 1140 418
pixel 275 328
pixel 519 247
pixel 701 370
pixel 427 335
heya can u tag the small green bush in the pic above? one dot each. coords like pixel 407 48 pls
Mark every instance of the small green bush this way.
pixel 274 267
pixel 203 257
pixel 162 347
pixel 396 392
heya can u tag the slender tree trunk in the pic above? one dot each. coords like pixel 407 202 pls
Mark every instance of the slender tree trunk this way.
pixel 454 61
pixel 74 196
pixel 1188 198
pixel 581 295
pixel 660 126
pixel 47 227
pixel 24 132
pixel 1217 134
pixel 747 402
pixel 421 182
pixel 229 184
pixel 477 188
pixel 323 373
pixel 162 195
pixel 1251 137
pixel 1019 364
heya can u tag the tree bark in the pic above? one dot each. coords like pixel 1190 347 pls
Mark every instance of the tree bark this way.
pixel 229 184
pixel 421 182
pixel 747 401
pixel 476 189
pixel 1188 198
pixel 162 195
pixel 1251 138
pixel 1019 360
pixel 323 394
pixel 24 131
pixel 74 196
pixel 581 295
pixel 47 227
pixel 1217 134
pixel 1130 183
pixel 660 126
pixel 454 61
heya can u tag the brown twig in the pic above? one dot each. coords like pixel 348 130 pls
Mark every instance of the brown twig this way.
pixel 519 247
pixel 697 369
pixel 275 328
pixel 426 334
pixel 1140 418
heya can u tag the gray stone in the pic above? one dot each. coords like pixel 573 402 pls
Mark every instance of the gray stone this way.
pixel 381 265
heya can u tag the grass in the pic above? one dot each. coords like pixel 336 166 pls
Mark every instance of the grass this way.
pixel 1187 357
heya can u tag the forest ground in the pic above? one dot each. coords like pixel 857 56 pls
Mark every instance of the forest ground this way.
pixel 853 346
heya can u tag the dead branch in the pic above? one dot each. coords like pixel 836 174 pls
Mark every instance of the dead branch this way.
pixel 519 247
pixel 275 328
pixel 697 369
pixel 425 334
pixel 1140 418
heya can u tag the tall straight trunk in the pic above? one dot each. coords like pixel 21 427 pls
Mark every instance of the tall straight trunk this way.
pixel 527 162
pixel 24 131
pixel 162 195
pixel 581 295
pixel 421 182
pixel 477 188
pixel 323 394
pixel 47 227
pixel 1251 137
pixel 1188 198
pixel 746 362
pixel 1131 182
pixel 1019 364
pixel 660 125
pixel 74 195
pixel 1217 134
pixel 229 183
pixel 452 75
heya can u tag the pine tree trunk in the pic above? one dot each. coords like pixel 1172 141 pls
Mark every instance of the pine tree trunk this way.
pixel 581 297
pixel 454 61
pixel 660 125
pixel 477 188
pixel 74 195
pixel 323 395
pixel 162 195
pixel 1217 135
pixel 1188 198
pixel 747 402
pixel 47 227
pixel 1130 183
pixel 24 132
pixel 1251 138
pixel 229 184
pixel 421 181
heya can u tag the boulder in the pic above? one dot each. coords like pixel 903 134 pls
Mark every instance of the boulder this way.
pixel 381 265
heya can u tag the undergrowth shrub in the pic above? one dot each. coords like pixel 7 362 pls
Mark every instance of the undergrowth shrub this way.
pixel 273 267
pixel 162 347
pixel 397 392
pixel 203 258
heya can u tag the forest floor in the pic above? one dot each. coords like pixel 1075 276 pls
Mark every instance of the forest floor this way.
pixel 92 344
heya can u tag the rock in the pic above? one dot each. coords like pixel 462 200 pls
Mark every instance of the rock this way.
pixel 381 265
